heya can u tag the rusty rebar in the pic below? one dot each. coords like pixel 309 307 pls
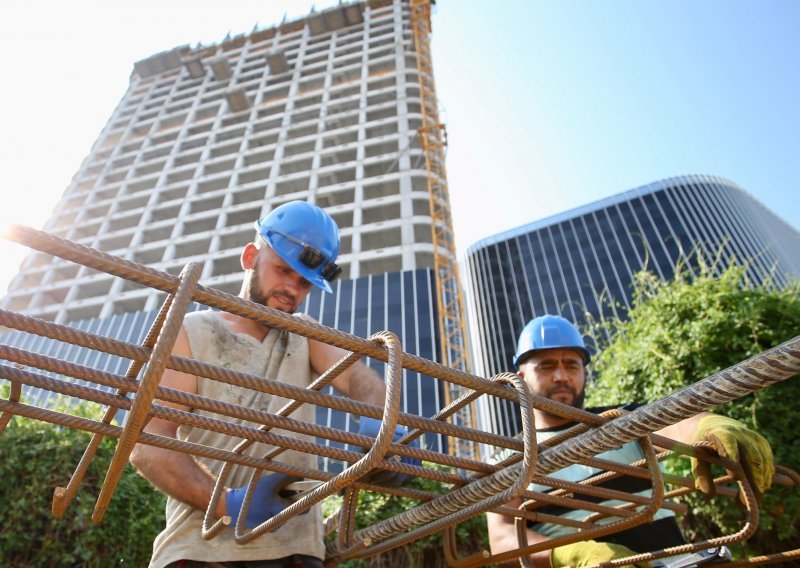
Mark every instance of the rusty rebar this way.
pixel 748 529
pixel 13 395
pixel 63 496
pixel 147 387
pixel 371 459
pixel 767 368
pixel 184 417
pixel 209 529
pixel 462 503
pixel 262 384
pixel 488 487
pixel 739 380
pixel 147 276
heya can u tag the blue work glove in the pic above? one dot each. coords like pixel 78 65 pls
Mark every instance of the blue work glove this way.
pixel 370 427
pixel 270 497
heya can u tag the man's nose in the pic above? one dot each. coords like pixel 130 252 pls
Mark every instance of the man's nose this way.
pixel 293 285
pixel 290 287
pixel 559 373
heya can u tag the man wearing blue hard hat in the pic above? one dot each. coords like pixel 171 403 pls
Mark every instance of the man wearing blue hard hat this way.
pixel 295 248
pixel 551 357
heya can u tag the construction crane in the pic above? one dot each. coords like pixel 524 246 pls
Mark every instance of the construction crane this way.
pixel 433 138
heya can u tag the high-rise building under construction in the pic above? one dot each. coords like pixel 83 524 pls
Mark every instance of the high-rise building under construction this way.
pixel 330 108
pixel 206 140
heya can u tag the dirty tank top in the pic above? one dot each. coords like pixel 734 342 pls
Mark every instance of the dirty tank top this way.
pixel 282 356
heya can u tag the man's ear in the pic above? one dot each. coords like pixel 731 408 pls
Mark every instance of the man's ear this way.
pixel 249 255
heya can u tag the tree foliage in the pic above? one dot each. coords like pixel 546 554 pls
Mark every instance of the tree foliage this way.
pixel 36 457
pixel 681 331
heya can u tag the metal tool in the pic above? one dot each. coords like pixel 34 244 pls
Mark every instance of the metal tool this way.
pixel 701 558
pixel 294 490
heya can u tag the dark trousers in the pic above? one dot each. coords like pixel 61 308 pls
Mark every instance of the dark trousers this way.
pixel 294 561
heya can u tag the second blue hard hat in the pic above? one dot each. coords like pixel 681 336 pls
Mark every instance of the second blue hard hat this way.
pixel 549 332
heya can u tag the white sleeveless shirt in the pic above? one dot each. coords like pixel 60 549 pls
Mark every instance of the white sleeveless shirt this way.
pixel 281 356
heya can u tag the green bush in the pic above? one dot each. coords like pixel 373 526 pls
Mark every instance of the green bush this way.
pixel 37 457
pixel 682 331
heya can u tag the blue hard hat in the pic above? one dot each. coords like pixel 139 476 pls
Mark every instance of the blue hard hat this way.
pixel 549 332
pixel 306 238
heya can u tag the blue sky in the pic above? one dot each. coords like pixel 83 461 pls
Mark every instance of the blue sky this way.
pixel 549 105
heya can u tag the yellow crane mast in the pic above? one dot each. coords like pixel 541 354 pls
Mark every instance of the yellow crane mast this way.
pixel 433 138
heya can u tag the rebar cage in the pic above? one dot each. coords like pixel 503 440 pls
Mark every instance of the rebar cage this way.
pixel 471 487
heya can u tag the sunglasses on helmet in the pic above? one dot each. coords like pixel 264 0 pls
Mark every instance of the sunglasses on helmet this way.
pixel 312 257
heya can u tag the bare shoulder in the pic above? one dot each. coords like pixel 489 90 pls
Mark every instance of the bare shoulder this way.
pixel 305 317
pixel 177 379
pixel 321 354
pixel 498 518
pixel 314 346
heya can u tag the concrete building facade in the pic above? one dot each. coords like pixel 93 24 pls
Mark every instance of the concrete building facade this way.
pixel 208 139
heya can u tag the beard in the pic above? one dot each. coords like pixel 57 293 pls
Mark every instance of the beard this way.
pixel 577 399
pixel 253 292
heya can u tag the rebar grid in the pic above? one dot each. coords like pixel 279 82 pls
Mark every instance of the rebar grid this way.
pixel 458 505
pixel 13 396
pixel 63 496
pixel 589 528
pixel 210 297
pixel 193 367
pixel 487 488
pixel 628 520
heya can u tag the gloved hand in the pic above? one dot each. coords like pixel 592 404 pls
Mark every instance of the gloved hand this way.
pixel 370 427
pixel 735 440
pixel 590 552
pixel 267 500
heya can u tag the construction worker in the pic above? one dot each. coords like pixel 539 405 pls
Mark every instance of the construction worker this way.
pixel 551 357
pixel 295 249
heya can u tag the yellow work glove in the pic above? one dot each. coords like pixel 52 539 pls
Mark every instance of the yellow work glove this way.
pixel 590 552
pixel 736 442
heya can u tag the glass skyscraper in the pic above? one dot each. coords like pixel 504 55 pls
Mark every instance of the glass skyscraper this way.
pixel 580 263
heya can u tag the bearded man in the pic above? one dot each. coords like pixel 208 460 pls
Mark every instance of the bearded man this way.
pixel 551 357
pixel 296 248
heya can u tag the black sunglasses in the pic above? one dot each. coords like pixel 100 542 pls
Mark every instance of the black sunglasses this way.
pixel 312 257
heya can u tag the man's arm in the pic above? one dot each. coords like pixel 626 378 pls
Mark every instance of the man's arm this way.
pixel 175 473
pixel 503 537
pixel 684 430
pixel 359 382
